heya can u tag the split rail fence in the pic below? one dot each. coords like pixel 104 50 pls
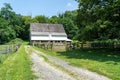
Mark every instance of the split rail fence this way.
pixel 104 45
pixel 5 49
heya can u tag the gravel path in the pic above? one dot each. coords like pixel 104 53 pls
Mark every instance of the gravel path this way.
pixel 82 74
pixel 44 71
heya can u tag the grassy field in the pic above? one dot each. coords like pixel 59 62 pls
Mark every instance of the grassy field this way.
pixel 105 62
pixel 17 67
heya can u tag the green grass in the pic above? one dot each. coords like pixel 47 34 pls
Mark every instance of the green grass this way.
pixel 17 67
pixel 105 62
pixel 3 57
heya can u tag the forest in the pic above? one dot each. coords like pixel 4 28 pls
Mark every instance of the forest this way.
pixel 93 20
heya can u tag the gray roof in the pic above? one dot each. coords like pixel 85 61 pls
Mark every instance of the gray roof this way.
pixel 46 28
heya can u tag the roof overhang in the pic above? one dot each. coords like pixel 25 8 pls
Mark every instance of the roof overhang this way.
pixel 52 39
pixel 39 33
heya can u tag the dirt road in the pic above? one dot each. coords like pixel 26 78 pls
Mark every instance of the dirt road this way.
pixel 44 71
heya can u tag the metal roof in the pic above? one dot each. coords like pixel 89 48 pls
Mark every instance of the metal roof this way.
pixel 43 28
pixel 48 32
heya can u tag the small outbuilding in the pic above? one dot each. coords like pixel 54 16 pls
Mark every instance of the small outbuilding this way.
pixel 50 36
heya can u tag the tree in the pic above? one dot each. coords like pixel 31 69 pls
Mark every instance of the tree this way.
pixel 11 24
pixel 98 19
pixel 25 29
pixel 68 19
pixel 54 20
pixel 41 19
pixel 7 32
pixel 5 12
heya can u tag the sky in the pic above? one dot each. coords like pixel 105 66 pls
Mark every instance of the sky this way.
pixel 41 7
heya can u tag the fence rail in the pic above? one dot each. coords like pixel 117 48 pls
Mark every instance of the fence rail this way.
pixel 4 49
pixel 92 45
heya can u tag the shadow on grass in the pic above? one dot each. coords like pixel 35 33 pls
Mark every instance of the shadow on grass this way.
pixel 101 55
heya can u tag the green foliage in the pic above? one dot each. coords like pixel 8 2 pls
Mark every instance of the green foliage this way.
pixel 3 57
pixel 16 41
pixel 98 19
pixel 41 19
pixel 54 20
pixel 10 22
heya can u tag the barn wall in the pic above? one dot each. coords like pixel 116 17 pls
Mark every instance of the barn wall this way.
pixel 59 47
pixel 52 45
pixel 40 37
pixel 58 37
pixel 48 37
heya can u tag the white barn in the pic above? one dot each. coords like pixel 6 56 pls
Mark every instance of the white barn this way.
pixel 48 34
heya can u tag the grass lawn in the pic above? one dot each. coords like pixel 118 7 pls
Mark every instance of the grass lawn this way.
pixel 105 62
pixel 17 67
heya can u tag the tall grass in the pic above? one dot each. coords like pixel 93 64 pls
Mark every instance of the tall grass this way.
pixel 17 67
pixel 3 57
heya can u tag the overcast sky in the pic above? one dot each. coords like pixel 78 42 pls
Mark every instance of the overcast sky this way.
pixel 41 7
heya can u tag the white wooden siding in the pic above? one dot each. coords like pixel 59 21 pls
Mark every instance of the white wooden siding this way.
pixel 40 37
pixel 49 37
pixel 58 37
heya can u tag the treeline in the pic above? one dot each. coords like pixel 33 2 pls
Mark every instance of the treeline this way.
pixel 98 19
pixel 14 25
pixel 94 20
